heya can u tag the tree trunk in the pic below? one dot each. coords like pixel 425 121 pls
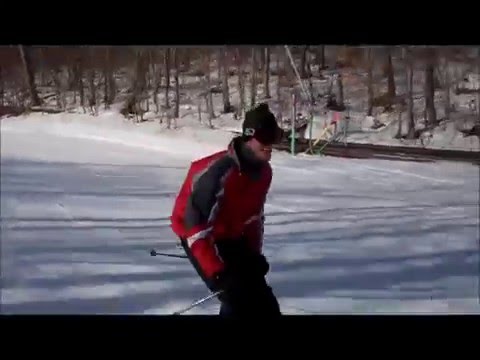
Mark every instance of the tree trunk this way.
pixel 399 131
pixel 340 89
pixel 390 76
pixel 74 87
pixel 167 76
pixel 186 60
pixel 446 89
pixel 207 104
pixel 70 79
pixel 430 90
pixel 29 75
pixel 140 82
pixel 177 84
pixel 105 88
pixel 253 77
pixel 42 67
pixel 262 63
pixel 266 77
pixel 80 84
pixel 146 69
pixel 156 87
pixel 147 64
pixel 277 66
pixel 370 81
pixel 478 90
pixel 209 96
pixel 322 55
pixel 58 87
pixel 241 83
pixel 92 100
pixel 410 114
pixel 112 89
pixel 199 108
pixel 105 78
pixel 2 88
pixel 220 56
pixel 303 62
pixel 280 52
pixel 225 89
pixel 310 84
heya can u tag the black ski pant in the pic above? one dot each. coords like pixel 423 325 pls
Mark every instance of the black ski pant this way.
pixel 245 291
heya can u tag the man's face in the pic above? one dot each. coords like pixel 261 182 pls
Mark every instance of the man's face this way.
pixel 262 152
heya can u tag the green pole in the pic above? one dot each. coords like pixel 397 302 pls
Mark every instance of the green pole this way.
pixel 310 143
pixel 294 115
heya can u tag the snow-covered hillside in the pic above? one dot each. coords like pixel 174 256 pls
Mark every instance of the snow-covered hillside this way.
pixel 57 87
pixel 84 199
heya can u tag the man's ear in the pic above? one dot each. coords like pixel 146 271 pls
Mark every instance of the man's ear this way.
pixel 248 140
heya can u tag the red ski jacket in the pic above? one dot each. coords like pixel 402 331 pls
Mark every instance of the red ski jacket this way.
pixel 221 199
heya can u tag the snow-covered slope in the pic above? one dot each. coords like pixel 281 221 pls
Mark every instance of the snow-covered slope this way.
pixel 83 202
pixel 112 127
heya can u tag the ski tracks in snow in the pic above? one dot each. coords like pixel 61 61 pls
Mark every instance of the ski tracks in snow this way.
pixel 341 235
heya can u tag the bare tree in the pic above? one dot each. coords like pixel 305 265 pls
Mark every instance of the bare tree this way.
pixel 110 88
pixel 199 110
pixel 177 83
pixel 186 59
pixel 141 81
pixel 2 88
pixel 138 86
pixel 266 77
pixel 167 76
pixel 430 87
pixel 478 84
pixel 90 73
pixel 225 89
pixel 261 66
pixel 319 58
pixel 59 90
pixel 208 95
pixel 29 74
pixel 280 69
pixel 390 75
pixel 399 135
pixel 340 89
pixel 409 75
pixel 322 57
pixel 241 82
pixel 446 85
pixel 253 78
pixel 105 79
pixel 402 106
pixel 157 81
pixel 303 62
pixel 92 90
pixel 42 68
pixel 370 81
pixel 79 68
pixel 220 55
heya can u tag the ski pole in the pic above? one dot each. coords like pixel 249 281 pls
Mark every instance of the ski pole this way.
pixel 153 252
pixel 198 302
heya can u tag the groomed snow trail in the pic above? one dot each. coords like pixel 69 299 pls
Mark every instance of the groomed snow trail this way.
pixel 79 217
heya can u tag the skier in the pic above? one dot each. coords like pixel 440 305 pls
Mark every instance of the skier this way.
pixel 218 217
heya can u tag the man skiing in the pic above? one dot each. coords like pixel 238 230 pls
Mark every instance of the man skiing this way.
pixel 218 216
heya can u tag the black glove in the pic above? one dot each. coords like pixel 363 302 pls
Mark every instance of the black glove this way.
pixel 222 281
pixel 225 282
pixel 260 265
